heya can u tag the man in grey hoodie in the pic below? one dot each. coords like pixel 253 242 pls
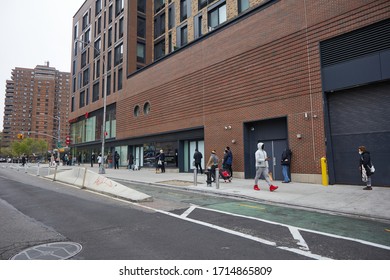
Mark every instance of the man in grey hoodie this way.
pixel 262 167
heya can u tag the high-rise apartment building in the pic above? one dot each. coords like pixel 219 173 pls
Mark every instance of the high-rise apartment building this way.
pixel 181 75
pixel 37 105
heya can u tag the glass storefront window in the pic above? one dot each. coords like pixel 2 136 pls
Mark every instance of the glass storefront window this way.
pixel 151 150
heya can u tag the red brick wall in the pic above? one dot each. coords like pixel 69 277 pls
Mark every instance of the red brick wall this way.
pixel 263 67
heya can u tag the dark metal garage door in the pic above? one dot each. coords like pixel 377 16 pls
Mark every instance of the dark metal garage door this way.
pixel 359 116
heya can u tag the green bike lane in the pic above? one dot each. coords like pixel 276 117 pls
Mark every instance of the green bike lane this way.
pixel 352 227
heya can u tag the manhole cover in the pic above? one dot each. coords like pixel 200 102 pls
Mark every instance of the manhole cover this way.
pixel 51 251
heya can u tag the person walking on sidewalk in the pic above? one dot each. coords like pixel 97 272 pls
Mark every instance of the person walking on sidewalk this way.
pixel 365 165
pixel 212 164
pixel 286 160
pixel 116 160
pixel 262 167
pixel 198 161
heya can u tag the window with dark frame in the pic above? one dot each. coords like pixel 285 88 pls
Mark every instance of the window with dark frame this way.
pixel 183 10
pixel 217 16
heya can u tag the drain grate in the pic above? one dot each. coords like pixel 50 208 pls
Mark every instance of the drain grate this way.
pixel 50 251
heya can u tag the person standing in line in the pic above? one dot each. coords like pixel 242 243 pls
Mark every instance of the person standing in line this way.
pixel 92 159
pixel 198 161
pixel 286 160
pixel 228 161
pixel 161 161
pixel 116 160
pixel 130 161
pixel 262 167
pixel 365 165
pixel 212 164
pixel 99 159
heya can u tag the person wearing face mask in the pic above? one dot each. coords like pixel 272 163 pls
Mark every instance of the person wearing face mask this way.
pixel 365 167
pixel 261 160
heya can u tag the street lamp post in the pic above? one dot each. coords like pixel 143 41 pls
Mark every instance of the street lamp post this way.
pixel 101 167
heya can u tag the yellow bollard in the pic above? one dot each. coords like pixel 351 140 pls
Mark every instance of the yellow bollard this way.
pixel 324 171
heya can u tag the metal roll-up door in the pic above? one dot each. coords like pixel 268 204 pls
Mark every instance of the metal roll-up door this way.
pixel 360 116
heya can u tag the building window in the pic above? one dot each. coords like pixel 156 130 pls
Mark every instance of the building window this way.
pixel 87 97
pixel 95 92
pixel 98 28
pixel 109 37
pixel 109 55
pixel 83 59
pixel 204 3
pixel 110 9
pixel 141 6
pixel 118 55
pixel 198 26
pixel 120 79
pixel 82 99
pixel 184 35
pixel 171 16
pixel 243 5
pixel 217 16
pixel 72 104
pixel 141 27
pixel 86 77
pixel 136 111
pixel 85 21
pixel 158 5
pixel 97 48
pixel 121 29
pixel 159 25
pixel 108 85
pixel 183 10
pixel 146 108
pixel 119 6
pixel 141 52
pixel 98 7
pixel 159 49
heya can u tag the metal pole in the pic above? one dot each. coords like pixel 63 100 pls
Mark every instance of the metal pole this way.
pixel 101 168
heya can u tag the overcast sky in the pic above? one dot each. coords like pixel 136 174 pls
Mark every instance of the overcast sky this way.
pixel 32 32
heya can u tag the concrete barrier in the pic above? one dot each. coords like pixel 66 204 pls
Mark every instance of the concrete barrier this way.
pixel 86 179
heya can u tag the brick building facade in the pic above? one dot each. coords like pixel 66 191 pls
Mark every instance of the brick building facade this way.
pixel 258 76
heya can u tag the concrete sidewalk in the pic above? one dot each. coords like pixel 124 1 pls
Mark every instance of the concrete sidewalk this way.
pixel 341 199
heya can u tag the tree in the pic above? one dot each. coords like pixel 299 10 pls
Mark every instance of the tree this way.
pixel 29 146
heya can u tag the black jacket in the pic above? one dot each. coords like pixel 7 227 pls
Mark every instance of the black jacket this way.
pixel 286 157
pixel 198 157
pixel 365 160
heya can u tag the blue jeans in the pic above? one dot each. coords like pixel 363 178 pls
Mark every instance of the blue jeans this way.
pixel 285 171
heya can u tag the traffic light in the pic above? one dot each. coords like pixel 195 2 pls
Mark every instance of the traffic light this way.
pixel 20 136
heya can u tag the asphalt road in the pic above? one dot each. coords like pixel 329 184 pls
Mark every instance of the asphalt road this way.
pixel 176 226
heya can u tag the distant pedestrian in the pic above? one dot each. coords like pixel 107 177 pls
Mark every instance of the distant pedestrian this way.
pixel 100 159
pixel 93 159
pixel 116 160
pixel 228 161
pixel 198 161
pixel 79 159
pixel 286 161
pixel 261 159
pixel 130 161
pixel 212 164
pixel 109 160
pixel 161 161
pixel 23 160
pixel 365 166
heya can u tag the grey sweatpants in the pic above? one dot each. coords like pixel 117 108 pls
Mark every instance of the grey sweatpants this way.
pixel 262 171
